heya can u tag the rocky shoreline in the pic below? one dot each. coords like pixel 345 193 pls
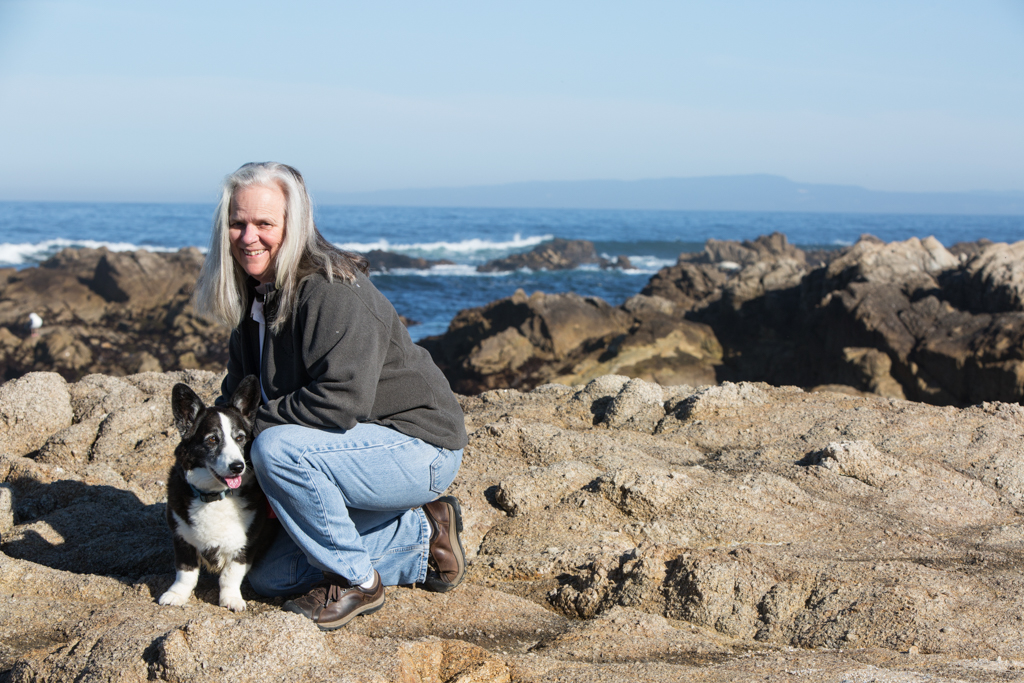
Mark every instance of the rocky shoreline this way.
pixel 904 320
pixel 107 312
pixel 617 530
pixel 633 511
pixel 121 313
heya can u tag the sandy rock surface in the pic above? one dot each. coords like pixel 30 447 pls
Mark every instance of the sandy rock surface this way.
pixel 616 531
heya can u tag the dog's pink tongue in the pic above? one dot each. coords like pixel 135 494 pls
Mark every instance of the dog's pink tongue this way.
pixel 233 482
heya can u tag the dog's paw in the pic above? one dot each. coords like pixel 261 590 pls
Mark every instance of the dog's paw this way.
pixel 172 598
pixel 235 603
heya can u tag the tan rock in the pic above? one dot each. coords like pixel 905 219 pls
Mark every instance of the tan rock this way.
pixel 873 371
pixel 31 409
pixel 996 277
pixel 747 533
pixel 507 350
pixel 871 260
pixel 142 361
pixel 543 486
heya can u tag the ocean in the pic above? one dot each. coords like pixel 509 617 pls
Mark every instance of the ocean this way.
pixel 30 232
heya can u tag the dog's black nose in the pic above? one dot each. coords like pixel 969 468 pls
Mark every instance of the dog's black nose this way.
pixel 236 467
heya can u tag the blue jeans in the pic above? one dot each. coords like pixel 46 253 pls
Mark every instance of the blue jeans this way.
pixel 349 502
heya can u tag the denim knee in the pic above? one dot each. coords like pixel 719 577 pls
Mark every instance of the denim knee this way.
pixel 263 450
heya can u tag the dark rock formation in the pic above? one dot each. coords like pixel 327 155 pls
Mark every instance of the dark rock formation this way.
pixel 115 313
pixel 557 254
pixel 946 325
pixel 144 280
pixel 499 344
pixel 525 341
pixel 110 312
pixel 383 261
pixel 614 531
pixel 907 320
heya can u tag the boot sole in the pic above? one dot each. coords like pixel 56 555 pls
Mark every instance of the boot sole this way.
pixel 456 509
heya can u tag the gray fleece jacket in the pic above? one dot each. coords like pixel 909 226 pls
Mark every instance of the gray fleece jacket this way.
pixel 343 358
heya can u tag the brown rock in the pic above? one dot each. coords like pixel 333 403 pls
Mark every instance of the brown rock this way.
pixel 995 277
pixel 145 323
pixel 8 341
pixel 765 248
pixel 622 262
pixel 80 262
pixel 902 319
pixel 143 279
pixel 871 260
pixel 523 341
pixel 58 296
pixel 558 254
pixel 505 351
pixel 384 261
pixel 60 350
pixel 871 370
pixel 142 361
pixel 31 409
pixel 687 284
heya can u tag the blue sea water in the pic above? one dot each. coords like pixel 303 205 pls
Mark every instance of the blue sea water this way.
pixel 30 232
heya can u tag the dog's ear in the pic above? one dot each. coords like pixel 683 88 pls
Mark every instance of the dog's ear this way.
pixel 246 398
pixel 186 406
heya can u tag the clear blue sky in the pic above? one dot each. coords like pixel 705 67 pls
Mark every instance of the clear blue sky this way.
pixel 119 100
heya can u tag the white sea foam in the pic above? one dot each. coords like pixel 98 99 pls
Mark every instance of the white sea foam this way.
pixel 454 270
pixel 30 253
pixel 17 254
pixel 645 264
pixel 27 253
pixel 642 265
pixel 464 247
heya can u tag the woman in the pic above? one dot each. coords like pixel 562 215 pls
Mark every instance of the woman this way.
pixel 358 433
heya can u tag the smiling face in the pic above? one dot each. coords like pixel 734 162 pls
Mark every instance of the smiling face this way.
pixel 256 228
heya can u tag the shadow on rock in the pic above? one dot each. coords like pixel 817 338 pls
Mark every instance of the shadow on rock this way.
pixel 88 529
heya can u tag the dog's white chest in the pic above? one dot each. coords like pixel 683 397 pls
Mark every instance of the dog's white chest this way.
pixel 221 524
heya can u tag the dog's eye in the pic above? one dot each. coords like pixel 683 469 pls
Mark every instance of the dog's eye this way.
pixel 240 437
pixel 211 439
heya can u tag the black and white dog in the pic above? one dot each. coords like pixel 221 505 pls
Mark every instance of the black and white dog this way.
pixel 215 508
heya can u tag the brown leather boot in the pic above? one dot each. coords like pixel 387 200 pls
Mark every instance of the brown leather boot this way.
pixel 334 602
pixel 447 563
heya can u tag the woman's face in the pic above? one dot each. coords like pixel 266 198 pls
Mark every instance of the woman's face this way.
pixel 256 228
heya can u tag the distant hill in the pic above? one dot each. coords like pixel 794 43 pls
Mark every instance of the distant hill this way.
pixel 713 193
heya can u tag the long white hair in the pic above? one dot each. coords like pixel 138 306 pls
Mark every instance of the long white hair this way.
pixel 220 292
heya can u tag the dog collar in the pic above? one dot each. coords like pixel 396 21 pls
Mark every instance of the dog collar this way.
pixel 210 496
